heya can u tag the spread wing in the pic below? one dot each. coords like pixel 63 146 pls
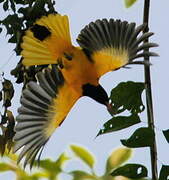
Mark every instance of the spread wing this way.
pixel 46 40
pixel 113 44
pixel 44 106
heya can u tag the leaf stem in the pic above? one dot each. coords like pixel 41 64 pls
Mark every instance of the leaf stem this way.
pixel 149 101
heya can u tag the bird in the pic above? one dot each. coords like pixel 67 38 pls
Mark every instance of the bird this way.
pixel 71 73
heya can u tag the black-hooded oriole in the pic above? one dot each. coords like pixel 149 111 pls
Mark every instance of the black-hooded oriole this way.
pixel 105 45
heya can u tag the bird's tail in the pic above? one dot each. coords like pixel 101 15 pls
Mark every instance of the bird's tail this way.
pixel 46 40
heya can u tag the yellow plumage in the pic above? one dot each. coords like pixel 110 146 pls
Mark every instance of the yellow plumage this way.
pixel 104 46
pixel 49 50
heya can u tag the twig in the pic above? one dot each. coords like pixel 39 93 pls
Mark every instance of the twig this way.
pixel 149 101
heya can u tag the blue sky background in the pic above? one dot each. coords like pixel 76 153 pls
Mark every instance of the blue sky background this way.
pixel 87 117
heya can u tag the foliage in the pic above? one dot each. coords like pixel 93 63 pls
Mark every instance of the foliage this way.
pixel 129 3
pixel 7 119
pixel 49 169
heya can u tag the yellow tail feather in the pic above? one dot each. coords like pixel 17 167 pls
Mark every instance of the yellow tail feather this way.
pixel 49 47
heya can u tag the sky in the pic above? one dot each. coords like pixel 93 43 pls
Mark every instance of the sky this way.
pixel 87 116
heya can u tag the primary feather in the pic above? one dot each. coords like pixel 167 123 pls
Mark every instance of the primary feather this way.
pixel 113 44
pixel 45 105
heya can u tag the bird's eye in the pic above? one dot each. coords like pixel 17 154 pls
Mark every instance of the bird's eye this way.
pixel 60 66
pixel 68 56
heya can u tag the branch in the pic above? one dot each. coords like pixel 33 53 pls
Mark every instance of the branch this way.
pixel 149 101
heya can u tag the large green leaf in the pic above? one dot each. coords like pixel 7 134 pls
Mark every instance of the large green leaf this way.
pixel 84 155
pixel 117 158
pixel 164 173
pixel 134 171
pixel 142 137
pixel 129 3
pixel 118 123
pixel 81 175
pixel 127 96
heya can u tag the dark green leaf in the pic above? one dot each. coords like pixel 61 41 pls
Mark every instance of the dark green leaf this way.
pixel 142 137
pixel 166 134
pixel 127 96
pixel 81 175
pixel 23 11
pixel 20 2
pixel 8 90
pixel 12 5
pixel 134 171
pixel 164 173
pixel 118 123
pixel 9 132
pixel 0 29
pixel 6 5
pixel 12 39
pixel 129 3
pixel 0 95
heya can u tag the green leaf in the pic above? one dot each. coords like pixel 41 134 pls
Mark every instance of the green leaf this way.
pixel 20 2
pixel 131 171
pixel 127 96
pixel 5 167
pixel 118 123
pixel 61 160
pixel 84 155
pixel 166 134
pixel 117 158
pixel 54 167
pixel 12 39
pixel 12 5
pixel 129 3
pixel 164 173
pixel 49 165
pixel 81 175
pixel 23 11
pixel 6 5
pixel 142 137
